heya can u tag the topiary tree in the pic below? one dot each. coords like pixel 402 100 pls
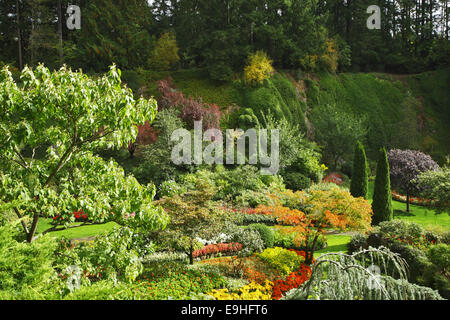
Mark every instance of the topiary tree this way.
pixel 405 167
pixel 50 123
pixel 359 184
pixel 382 198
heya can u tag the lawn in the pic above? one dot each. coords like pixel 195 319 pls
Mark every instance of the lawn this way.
pixel 83 232
pixel 424 216
pixel 336 243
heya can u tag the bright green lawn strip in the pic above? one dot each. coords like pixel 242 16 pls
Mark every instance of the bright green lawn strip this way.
pixel 423 216
pixel 76 233
pixel 336 243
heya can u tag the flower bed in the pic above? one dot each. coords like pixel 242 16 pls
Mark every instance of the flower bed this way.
pixel 293 280
pixel 335 178
pixel 213 249
pixel 413 200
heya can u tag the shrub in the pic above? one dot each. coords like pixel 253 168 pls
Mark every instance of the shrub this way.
pixel 360 184
pixel 382 199
pixel 250 239
pixel 26 270
pixel 266 233
pixel 283 260
pixel 436 273
pixel 357 242
pixel 296 181
pixel 258 69
pixel 252 291
pixel 165 53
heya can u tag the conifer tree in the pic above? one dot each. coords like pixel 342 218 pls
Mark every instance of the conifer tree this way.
pixel 359 184
pixel 382 198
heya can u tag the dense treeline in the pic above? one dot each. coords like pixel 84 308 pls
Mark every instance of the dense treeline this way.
pixel 220 34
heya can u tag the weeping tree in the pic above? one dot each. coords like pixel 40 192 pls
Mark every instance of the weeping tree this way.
pixel 405 168
pixel 50 124
pixel 370 274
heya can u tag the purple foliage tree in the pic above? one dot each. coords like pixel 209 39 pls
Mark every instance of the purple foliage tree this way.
pixel 405 167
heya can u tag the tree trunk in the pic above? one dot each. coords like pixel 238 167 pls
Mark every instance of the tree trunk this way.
pixel 191 254
pixel 407 201
pixel 19 36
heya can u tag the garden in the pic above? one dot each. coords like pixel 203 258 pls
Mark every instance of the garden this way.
pixel 92 208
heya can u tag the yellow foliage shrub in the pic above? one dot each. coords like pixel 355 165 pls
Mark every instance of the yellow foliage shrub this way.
pixel 258 69
pixel 252 291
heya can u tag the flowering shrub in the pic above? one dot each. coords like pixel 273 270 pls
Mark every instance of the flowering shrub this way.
pixel 252 291
pixel 335 178
pixel 76 216
pixel 294 280
pixel 217 248
pixel 284 260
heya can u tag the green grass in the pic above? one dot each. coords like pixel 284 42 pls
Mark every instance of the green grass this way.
pixel 423 216
pixel 76 233
pixel 336 243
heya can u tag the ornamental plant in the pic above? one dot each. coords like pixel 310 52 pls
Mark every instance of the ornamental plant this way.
pixel 284 260
pixel 359 186
pixel 258 69
pixel 63 116
pixel 382 198
pixel 405 167
pixel 252 291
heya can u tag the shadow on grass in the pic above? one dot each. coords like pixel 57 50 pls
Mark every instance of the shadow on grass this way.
pixel 401 213
pixel 334 248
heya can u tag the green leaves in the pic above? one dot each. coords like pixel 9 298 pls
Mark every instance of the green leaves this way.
pixel 64 116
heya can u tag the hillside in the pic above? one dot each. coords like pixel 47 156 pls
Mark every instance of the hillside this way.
pixel 403 111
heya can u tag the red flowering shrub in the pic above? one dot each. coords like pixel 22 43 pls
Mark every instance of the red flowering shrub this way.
pixel 335 178
pixel 217 248
pixel 294 280
pixel 79 216
pixel 191 109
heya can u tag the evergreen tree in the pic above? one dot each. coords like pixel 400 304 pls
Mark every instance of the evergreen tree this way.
pixel 382 198
pixel 359 184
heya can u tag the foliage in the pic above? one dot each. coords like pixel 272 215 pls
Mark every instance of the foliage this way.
pixel 259 68
pixel 436 274
pixel 165 53
pixel 178 283
pixel 116 255
pixel 360 184
pixel 283 260
pixel 328 61
pixel 220 248
pixel 26 270
pixel 405 167
pixel 252 291
pixel 156 165
pixel 296 181
pixel 250 239
pixel 435 185
pixel 266 233
pixel 63 116
pixel 292 281
pixel 192 215
pixel 336 131
pixel 349 277
pixel 382 199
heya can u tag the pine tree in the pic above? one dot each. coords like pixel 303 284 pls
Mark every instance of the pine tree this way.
pixel 382 198
pixel 359 184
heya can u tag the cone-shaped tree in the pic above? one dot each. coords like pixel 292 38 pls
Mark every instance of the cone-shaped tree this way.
pixel 360 182
pixel 382 199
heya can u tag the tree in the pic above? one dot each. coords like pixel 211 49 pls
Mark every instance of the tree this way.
pixel 50 124
pixel 382 198
pixel 406 165
pixel 165 53
pixel 258 69
pixel 337 131
pixel 192 216
pixel 360 182
pixel 435 185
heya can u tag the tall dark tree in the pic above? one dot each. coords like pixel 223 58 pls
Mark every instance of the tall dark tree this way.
pixel 360 181
pixel 382 198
